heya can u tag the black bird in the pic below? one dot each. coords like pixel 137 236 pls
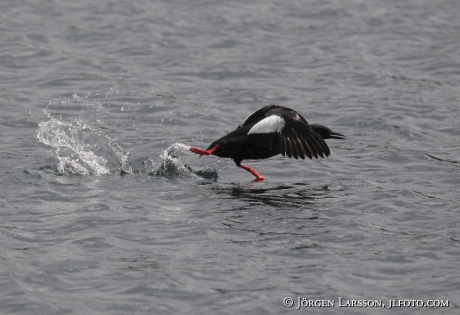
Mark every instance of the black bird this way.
pixel 272 130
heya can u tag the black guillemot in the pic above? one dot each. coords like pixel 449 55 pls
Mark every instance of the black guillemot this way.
pixel 272 130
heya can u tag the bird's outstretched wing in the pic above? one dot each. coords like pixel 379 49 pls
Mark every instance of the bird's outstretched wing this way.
pixel 286 132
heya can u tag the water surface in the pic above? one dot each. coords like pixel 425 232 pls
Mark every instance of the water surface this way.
pixel 104 210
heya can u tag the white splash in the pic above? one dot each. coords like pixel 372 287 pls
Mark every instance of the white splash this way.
pixel 270 124
pixel 81 148
pixel 171 163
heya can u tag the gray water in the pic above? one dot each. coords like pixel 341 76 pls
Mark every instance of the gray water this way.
pixel 103 209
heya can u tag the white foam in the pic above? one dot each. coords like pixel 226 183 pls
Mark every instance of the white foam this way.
pixel 270 124
pixel 81 148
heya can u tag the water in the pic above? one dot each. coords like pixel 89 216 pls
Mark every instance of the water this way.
pixel 104 210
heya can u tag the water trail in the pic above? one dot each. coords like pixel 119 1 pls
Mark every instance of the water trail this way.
pixel 81 148
pixel 172 165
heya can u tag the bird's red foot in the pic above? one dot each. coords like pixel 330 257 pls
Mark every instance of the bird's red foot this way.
pixel 203 152
pixel 253 172
pixel 259 179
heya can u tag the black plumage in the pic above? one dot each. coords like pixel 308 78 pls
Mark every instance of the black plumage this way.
pixel 272 130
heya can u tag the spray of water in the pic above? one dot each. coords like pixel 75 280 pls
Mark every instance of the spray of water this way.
pixel 81 148
pixel 171 164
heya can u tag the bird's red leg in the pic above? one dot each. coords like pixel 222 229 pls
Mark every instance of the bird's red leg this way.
pixel 203 152
pixel 253 172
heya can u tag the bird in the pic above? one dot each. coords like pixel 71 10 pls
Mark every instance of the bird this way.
pixel 270 131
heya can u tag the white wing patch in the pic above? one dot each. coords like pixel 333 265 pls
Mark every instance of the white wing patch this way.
pixel 270 124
